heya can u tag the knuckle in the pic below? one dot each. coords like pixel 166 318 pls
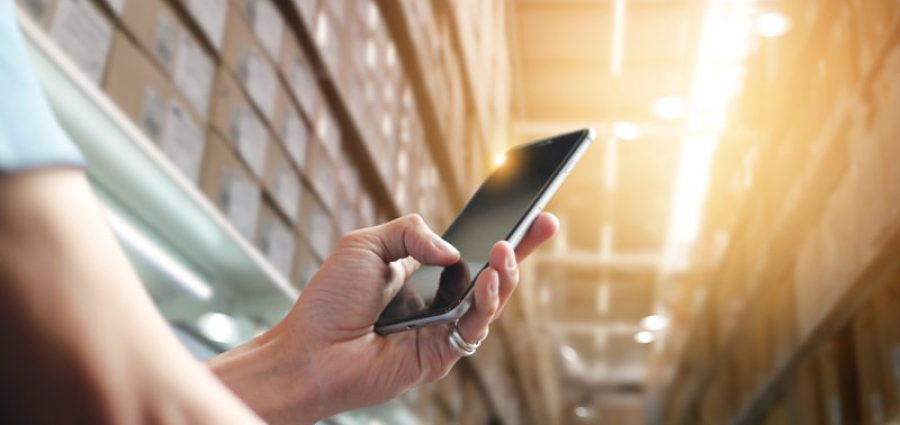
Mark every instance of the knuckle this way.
pixel 414 220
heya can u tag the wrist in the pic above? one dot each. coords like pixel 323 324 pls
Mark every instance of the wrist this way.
pixel 272 375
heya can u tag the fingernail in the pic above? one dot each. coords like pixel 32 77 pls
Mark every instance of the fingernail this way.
pixel 445 246
pixel 494 287
pixel 510 262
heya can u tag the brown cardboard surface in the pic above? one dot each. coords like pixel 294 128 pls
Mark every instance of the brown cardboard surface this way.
pixel 239 124
pixel 221 170
pixel 131 78
pixel 247 61
pixel 291 129
pixel 160 32
pixel 300 76
pixel 80 28
pixel 282 182
pixel 153 103
pixel 276 239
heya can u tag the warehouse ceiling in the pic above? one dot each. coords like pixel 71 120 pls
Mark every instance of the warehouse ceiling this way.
pixel 627 68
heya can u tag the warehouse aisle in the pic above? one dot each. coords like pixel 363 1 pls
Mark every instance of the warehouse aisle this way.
pixel 727 249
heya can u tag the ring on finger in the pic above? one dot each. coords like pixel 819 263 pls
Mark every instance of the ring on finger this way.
pixel 460 344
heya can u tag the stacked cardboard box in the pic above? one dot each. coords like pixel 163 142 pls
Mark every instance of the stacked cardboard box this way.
pixel 226 91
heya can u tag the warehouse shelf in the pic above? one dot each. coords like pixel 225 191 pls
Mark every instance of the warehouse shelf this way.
pixel 147 194
pixel 353 130
pixel 395 18
pixel 876 268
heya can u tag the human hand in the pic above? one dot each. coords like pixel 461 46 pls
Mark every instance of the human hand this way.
pixel 327 343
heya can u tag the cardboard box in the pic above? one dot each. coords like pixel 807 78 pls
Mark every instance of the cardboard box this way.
pixel 306 263
pixel 301 77
pixel 244 56
pixel 276 240
pixel 267 24
pixel 328 131
pixel 209 15
pixel 161 33
pixel 307 10
pixel 291 129
pixel 237 121
pixel 283 183
pixel 153 103
pixel 322 173
pixel 316 224
pixel 80 29
pixel 230 185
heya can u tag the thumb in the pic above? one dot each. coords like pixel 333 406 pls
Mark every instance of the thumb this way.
pixel 410 236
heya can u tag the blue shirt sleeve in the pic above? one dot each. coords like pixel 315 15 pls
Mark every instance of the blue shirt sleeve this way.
pixel 30 136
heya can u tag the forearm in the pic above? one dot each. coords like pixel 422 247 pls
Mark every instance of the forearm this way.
pixel 85 344
pixel 274 379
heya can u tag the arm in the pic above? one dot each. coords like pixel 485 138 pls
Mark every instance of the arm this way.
pixel 324 357
pixel 84 343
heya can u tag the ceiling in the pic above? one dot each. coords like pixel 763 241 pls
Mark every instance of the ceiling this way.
pixel 597 63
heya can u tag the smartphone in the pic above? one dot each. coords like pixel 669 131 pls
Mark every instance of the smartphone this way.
pixel 502 208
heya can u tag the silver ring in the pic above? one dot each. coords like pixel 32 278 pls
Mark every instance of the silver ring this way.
pixel 459 344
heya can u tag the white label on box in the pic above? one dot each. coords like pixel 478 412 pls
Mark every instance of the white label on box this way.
pixel 193 74
pixel 287 191
pixel 210 15
pixel 259 80
pixel 321 232
pixel 80 31
pixel 303 85
pixel 153 116
pixel 116 6
pixel 239 198
pixel 329 133
pixel 267 25
pixel 278 244
pixel 183 141
pixel 296 138
pixel 250 135
pixel 37 9
pixel 165 43
pixel 326 184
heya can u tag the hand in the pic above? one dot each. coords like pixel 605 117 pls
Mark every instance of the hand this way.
pixel 326 349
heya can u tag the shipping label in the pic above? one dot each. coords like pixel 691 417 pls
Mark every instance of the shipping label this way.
pixel 193 74
pixel 250 135
pixel 239 199
pixel 183 141
pixel 259 79
pixel 81 31
pixel 210 16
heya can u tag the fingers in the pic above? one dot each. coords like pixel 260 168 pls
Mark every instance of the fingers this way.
pixel 544 227
pixel 473 327
pixel 503 260
pixel 408 236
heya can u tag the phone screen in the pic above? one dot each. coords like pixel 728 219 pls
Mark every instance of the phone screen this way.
pixel 491 215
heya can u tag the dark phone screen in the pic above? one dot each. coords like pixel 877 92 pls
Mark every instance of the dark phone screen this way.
pixel 491 215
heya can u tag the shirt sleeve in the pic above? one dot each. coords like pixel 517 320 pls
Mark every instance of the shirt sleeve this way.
pixel 30 136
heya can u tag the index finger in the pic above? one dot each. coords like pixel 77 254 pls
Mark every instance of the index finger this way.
pixel 544 227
